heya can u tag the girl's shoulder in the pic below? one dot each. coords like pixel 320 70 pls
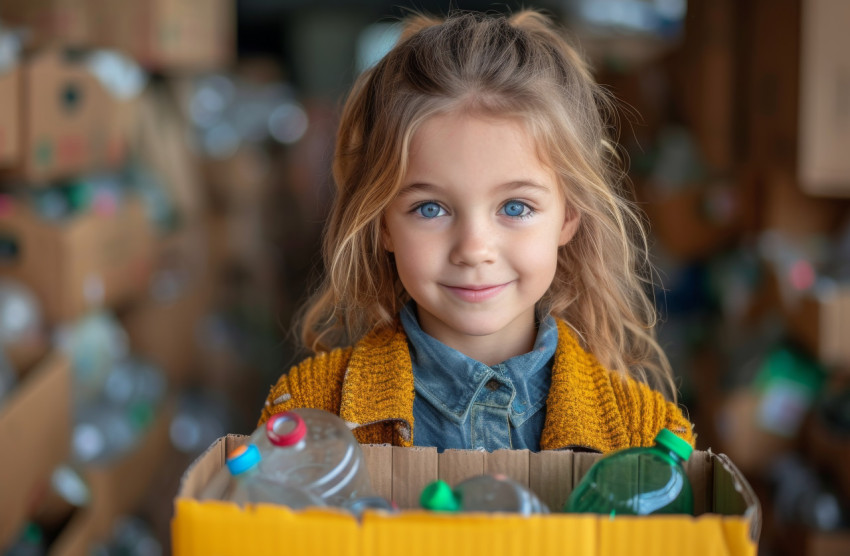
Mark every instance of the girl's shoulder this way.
pixel 637 409
pixel 315 382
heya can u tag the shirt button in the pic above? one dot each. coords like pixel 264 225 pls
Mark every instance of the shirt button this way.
pixel 493 385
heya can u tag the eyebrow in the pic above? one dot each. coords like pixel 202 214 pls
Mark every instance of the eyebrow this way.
pixel 507 186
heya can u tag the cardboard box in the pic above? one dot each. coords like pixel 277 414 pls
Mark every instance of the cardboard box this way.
pixel 24 353
pixel 820 321
pixel 742 437
pixel 820 543
pixel 66 22
pixel 170 35
pixel 68 122
pixel 60 115
pixel 771 50
pixel 824 114
pixel 35 429
pixel 239 182
pixel 163 326
pixel 728 513
pixel 88 261
pixel 687 224
pixel 117 489
pixel 708 66
pixel 10 146
pixel 798 70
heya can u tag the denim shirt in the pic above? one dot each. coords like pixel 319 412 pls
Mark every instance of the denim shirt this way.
pixel 463 403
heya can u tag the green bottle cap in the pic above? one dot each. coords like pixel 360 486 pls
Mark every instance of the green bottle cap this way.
pixel 438 496
pixel 678 446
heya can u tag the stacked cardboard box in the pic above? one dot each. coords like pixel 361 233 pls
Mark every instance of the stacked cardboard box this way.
pixel 35 429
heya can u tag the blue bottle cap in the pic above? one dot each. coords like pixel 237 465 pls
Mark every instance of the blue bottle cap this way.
pixel 243 459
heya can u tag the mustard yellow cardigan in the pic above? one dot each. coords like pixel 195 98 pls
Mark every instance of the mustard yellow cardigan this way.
pixel 370 386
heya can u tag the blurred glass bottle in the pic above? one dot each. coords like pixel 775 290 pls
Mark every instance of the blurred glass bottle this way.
pixel 20 312
pixel 202 416
pixel 20 322
pixel 802 495
pixel 315 450
pixel 94 343
pixel 131 536
pixel 241 482
pixel 104 431
pixel 638 481
pixel 482 493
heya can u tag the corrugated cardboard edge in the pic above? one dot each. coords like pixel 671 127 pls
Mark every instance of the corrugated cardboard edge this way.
pixel 207 463
pixel 727 473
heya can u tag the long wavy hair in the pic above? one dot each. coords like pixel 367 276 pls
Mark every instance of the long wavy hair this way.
pixel 519 66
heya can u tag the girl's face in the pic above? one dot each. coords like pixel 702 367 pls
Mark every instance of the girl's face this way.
pixel 475 231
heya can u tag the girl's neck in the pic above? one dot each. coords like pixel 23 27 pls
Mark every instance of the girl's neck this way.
pixel 490 349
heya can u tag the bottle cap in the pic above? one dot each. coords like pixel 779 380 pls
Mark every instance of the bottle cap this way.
pixel 438 496
pixel 285 429
pixel 678 446
pixel 243 458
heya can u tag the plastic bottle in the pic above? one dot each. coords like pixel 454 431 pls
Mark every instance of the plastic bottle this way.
pixel 315 450
pixel 482 493
pixel 20 313
pixel 359 505
pixel 131 536
pixel 638 481
pixel 94 343
pixel 102 432
pixel 240 482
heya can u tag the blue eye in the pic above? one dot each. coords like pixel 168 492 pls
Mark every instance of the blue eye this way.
pixel 430 210
pixel 516 209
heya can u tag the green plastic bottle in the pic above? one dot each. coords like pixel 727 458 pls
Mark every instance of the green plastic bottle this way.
pixel 638 481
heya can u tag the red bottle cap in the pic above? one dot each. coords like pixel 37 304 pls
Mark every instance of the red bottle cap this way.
pixel 285 429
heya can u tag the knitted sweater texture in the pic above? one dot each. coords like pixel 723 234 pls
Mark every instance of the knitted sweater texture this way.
pixel 370 386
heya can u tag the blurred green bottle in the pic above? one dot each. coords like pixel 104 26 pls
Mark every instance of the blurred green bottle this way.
pixel 638 481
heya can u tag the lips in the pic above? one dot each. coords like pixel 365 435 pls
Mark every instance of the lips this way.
pixel 474 293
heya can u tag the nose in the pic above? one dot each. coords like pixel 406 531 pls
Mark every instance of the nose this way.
pixel 474 243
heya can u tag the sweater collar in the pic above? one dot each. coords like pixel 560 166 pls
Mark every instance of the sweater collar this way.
pixel 378 383
pixel 378 387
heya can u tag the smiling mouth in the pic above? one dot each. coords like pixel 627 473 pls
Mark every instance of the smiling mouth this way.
pixel 474 294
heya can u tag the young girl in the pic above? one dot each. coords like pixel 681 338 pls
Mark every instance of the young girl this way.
pixel 484 285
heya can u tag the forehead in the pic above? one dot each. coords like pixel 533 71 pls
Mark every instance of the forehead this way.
pixel 473 145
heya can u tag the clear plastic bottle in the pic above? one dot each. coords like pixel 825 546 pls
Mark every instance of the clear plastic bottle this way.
pixel 240 482
pixel 359 505
pixel 315 450
pixel 102 432
pixel 482 493
pixel 638 481
pixel 20 312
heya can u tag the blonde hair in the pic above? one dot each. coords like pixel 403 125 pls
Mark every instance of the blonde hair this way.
pixel 518 66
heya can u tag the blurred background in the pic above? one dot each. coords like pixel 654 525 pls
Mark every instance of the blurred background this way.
pixel 165 175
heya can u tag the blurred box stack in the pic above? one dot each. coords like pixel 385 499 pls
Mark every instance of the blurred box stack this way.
pixel 111 298
pixel 740 163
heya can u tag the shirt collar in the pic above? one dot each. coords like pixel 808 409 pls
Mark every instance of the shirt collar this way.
pixel 451 381
pixel 581 392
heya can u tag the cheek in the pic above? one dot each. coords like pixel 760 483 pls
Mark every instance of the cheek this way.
pixel 411 258
pixel 539 259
